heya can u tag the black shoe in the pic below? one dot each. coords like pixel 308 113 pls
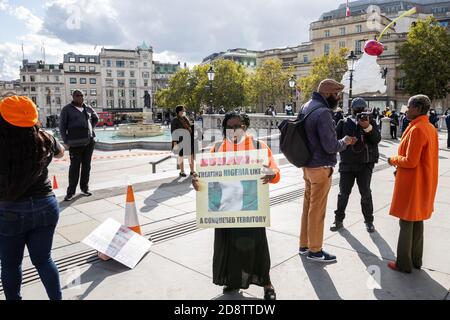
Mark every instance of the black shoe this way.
pixel 370 227
pixel 183 175
pixel 269 294
pixel 227 289
pixel 69 197
pixel 321 256
pixel 86 193
pixel 336 226
pixel 303 251
pixel 192 173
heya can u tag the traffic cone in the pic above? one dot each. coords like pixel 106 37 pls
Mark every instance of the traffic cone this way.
pixel 131 217
pixel 55 183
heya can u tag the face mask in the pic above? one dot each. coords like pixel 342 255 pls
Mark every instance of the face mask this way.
pixel 183 114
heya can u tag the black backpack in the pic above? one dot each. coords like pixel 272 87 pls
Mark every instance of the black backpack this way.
pixel 293 141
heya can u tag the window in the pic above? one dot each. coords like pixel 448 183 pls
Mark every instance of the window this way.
pixel 57 90
pixel 132 64
pixel 49 100
pixel 121 74
pixel 341 44
pixel 342 31
pixel 93 92
pixel 72 59
pixel 110 104
pixel 358 46
pixel 24 78
pixel 121 93
pixel 58 101
pixel 145 56
pixel 133 83
pixel 82 80
pixel 85 92
pixel 359 28
pixel 121 103
pixel 121 83
pixel 326 48
pixel 82 60
pixel 73 80
pixel 91 69
pixel 305 58
pixel 132 74
pixel 109 93
pixel 93 81
pixel 25 89
pixel 109 82
pixel 145 75
pixel 145 64
pixel 34 98
pixel 72 68
pixel 120 64
pixel 48 78
pixel 327 33
pixel 109 73
pixel 57 78
pixel 109 63
pixel 82 69
pixel 145 83
pixel 132 93
pixel 92 60
pixel 133 103
pixel 32 78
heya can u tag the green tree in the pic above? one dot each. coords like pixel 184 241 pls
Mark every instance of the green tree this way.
pixel 425 57
pixel 331 66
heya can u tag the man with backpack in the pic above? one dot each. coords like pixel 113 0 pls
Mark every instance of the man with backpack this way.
pixel 357 162
pixel 323 147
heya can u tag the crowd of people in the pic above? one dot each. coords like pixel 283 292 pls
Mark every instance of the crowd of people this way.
pixel 29 210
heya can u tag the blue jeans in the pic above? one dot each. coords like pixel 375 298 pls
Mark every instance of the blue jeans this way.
pixel 30 223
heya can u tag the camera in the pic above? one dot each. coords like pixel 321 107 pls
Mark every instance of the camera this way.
pixel 364 116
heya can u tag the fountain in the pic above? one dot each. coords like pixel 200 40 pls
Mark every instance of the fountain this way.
pixel 143 128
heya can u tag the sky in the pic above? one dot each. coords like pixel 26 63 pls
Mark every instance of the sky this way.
pixel 178 30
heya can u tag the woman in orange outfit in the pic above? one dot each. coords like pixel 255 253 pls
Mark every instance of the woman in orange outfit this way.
pixel 415 183
pixel 241 255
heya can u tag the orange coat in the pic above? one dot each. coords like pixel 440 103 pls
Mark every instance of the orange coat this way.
pixel 247 144
pixel 417 172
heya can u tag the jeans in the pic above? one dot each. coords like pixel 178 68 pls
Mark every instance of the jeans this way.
pixel 29 223
pixel 394 132
pixel 363 177
pixel 80 157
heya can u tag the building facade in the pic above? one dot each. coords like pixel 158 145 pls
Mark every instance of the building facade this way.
pixel 10 88
pixel 83 72
pixel 162 72
pixel 244 57
pixel 45 85
pixel 126 77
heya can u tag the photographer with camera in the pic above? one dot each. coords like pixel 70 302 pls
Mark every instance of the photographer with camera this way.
pixel 357 161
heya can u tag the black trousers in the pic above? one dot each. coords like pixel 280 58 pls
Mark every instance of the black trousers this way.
pixel 393 132
pixel 363 177
pixel 448 138
pixel 410 245
pixel 80 157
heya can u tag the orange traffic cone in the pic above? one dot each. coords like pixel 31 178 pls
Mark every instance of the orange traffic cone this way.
pixel 131 217
pixel 55 183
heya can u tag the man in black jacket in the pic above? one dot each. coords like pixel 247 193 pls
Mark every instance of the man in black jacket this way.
pixel 77 123
pixel 357 162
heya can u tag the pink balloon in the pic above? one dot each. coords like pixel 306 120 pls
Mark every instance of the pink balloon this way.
pixel 373 48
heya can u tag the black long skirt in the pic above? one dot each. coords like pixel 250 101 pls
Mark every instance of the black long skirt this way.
pixel 241 258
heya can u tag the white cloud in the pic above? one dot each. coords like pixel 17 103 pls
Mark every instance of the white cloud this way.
pixel 178 30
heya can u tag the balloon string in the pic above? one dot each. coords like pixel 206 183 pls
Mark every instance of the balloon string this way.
pixel 407 13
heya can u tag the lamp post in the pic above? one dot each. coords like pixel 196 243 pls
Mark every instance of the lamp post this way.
pixel 292 84
pixel 211 76
pixel 351 67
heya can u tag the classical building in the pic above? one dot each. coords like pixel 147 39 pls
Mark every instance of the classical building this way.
pixel 10 88
pixel 83 72
pixel 244 57
pixel 126 77
pixel 44 84
pixel 162 71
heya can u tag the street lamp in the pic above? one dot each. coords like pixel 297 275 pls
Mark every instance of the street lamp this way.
pixel 211 76
pixel 292 84
pixel 351 67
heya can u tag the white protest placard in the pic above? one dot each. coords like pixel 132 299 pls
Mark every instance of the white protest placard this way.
pixel 118 242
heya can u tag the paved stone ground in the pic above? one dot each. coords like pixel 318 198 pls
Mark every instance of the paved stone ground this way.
pixel 179 266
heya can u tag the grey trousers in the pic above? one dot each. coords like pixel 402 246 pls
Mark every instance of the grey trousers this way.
pixel 410 245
